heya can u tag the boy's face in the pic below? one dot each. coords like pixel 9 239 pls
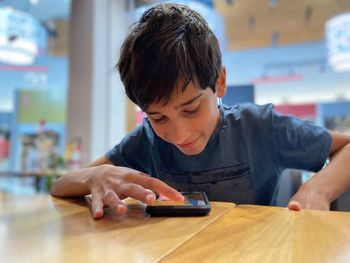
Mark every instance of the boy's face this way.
pixel 188 120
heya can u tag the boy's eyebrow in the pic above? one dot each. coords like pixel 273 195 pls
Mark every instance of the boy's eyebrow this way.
pixel 181 105
pixel 189 101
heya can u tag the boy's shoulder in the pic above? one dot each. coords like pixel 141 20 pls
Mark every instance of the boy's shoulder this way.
pixel 247 111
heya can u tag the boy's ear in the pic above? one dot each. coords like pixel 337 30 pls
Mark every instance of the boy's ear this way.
pixel 221 83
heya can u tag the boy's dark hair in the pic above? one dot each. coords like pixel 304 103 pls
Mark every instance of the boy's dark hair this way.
pixel 169 45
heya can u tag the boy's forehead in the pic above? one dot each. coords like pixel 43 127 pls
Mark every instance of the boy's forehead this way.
pixel 179 97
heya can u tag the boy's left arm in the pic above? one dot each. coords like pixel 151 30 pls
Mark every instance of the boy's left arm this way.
pixel 330 182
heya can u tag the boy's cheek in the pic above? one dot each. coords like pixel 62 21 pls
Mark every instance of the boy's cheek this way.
pixel 159 131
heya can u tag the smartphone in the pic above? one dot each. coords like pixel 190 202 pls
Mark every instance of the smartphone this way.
pixel 195 204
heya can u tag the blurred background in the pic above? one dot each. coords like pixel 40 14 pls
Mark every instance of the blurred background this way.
pixel 62 103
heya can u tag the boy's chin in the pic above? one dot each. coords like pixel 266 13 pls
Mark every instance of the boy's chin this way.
pixel 192 152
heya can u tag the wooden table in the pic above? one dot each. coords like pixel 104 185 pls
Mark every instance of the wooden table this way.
pixel 270 234
pixel 47 229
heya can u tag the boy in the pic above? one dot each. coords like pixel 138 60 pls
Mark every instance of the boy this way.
pixel 171 67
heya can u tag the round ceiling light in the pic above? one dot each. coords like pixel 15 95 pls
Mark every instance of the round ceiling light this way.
pixel 18 37
pixel 338 42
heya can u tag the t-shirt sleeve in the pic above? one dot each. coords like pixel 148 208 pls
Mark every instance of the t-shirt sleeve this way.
pixel 133 151
pixel 299 144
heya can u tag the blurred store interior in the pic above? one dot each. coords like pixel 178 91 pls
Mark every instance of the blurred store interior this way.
pixel 62 103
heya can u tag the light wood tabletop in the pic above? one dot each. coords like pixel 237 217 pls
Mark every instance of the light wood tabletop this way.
pixel 270 234
pixel 47 229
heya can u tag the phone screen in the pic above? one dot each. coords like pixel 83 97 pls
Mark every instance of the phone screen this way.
pixel 195 204
pixel 191 199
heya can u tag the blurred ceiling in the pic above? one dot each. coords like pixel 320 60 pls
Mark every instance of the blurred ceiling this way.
pixel 248 23
pixel 264 23
pixel 54 16
pixel 42 9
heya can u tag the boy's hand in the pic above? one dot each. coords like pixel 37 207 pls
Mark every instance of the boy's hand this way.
pixel 110 184
pixel 309 197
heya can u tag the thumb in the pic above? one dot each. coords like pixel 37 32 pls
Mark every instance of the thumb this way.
pixel 294 205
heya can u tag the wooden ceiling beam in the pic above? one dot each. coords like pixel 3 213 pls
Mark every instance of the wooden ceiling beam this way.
pixel 251 23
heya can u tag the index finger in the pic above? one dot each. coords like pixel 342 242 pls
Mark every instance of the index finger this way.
pixel 157 186
pixel 294 205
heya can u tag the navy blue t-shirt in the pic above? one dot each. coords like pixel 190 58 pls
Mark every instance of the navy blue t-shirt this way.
pixel 242 161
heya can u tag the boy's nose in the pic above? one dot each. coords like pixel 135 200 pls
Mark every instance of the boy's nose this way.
pixel 178 133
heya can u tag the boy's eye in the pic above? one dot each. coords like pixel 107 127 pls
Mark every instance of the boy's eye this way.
pixel 191 112
pixel 159 120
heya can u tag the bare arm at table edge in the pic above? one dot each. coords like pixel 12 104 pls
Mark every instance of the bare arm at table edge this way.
pixel 330 182
pixel 109 184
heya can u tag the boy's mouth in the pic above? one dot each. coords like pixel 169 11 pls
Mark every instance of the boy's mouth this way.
pixel 187 145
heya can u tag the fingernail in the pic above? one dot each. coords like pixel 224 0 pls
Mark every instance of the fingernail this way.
pixel 121 209
pixel 98 214
pixel 150 198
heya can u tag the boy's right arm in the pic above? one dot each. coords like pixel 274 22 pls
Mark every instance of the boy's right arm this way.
pixel 109 184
